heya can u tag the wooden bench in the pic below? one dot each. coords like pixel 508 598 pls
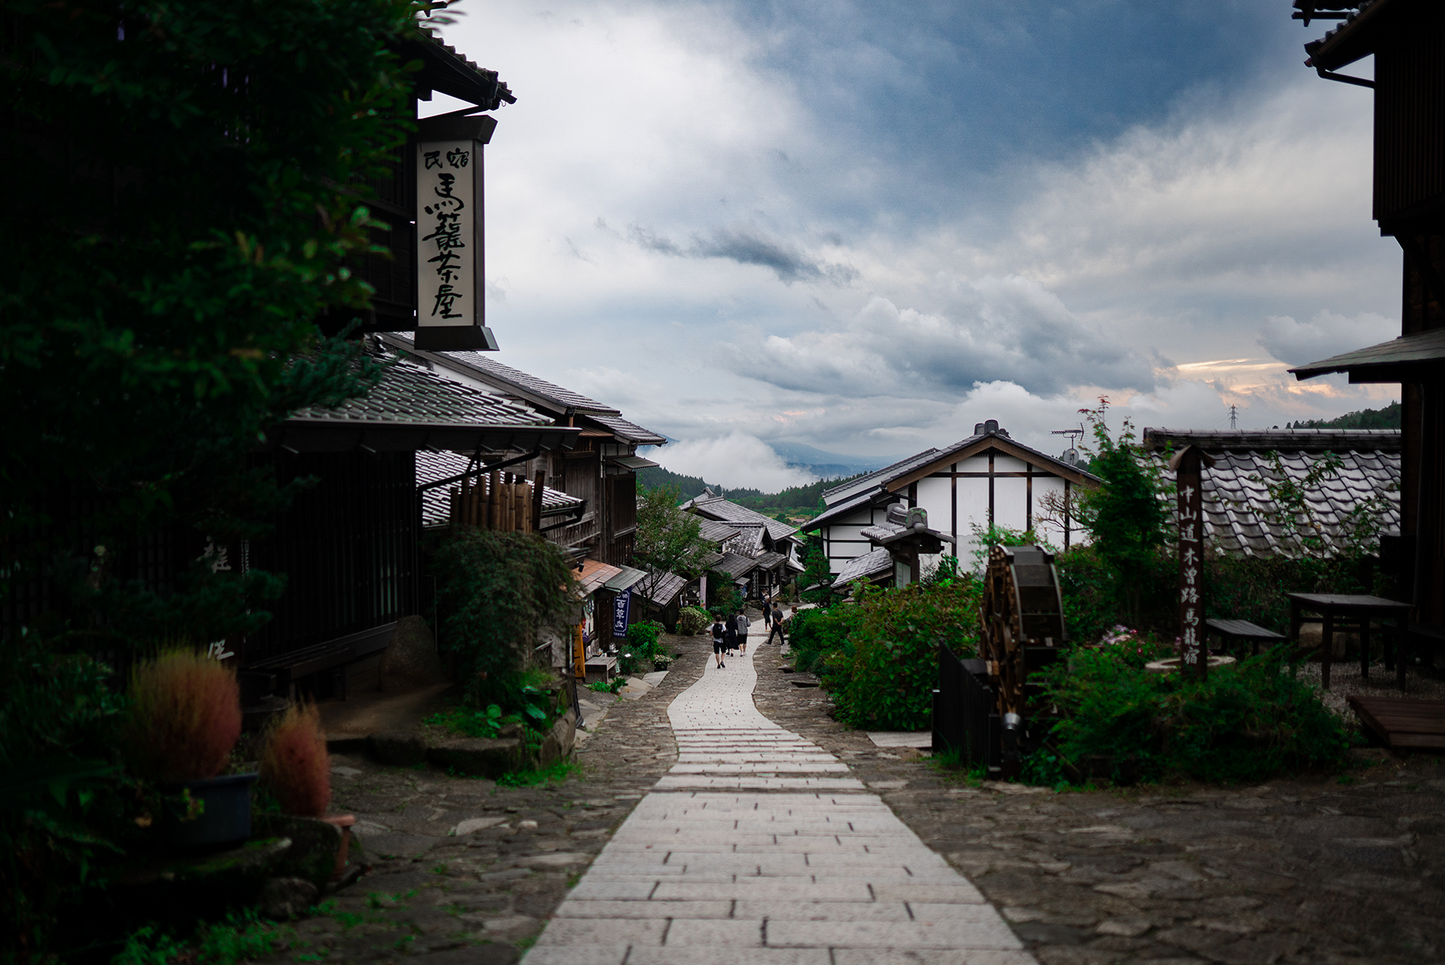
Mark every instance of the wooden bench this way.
pixel 1233 632
pixel 332 655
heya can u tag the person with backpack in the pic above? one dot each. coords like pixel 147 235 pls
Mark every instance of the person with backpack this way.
pixel 719 640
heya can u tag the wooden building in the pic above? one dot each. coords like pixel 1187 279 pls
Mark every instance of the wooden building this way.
pixel 600 470
pixel 987 479
pixel 1407 40
pixel 757 553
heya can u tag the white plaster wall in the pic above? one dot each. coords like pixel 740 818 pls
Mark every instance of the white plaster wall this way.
pixel 935 494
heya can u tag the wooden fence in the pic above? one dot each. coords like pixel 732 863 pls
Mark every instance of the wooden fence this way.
pixel 498 501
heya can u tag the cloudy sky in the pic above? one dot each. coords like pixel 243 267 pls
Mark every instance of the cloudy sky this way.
pixel 865 227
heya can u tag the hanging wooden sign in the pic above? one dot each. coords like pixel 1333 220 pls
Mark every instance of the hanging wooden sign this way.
pixel 450 239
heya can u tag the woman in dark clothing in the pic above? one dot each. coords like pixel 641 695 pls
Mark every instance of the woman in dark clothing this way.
pixel 718 640
pixel 730 635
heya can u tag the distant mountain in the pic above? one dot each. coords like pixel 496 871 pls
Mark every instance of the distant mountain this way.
pixel 829 465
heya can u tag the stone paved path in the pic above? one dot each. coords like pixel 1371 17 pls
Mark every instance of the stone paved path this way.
pixel 758 846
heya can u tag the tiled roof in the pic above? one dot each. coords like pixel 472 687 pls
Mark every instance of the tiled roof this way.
pixel 866 567
pixel 1242 518
pixel 564 398
pixel 410 395
pixel 735 565
pixel 715 531
pixel 719 507
pixel 1281 440
pixel 873 479
pixel 841 509
pixel 536 390
pixel 666 589
pixel 770 560
pixel 627 431
pixel 855 494
pixel 436 503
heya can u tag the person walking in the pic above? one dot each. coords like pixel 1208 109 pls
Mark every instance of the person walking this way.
pixel 730 636
pixel 777 625
pixel 742 632
pixel 719 640
pixel 767 613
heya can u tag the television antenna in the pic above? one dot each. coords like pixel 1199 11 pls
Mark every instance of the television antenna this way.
pixel 1071 454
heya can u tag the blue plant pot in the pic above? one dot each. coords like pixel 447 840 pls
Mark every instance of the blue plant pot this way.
pixel 224 821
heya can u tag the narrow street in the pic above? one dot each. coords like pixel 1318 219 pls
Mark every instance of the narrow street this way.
pixel 1305 870
pixel 758 843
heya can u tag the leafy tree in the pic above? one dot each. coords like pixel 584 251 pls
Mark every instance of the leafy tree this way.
pixel 816 573
pixel 1126 515
pixel 194 181
pixel 668 540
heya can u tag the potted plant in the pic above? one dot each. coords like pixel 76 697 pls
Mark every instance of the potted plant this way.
pixel 184 718
pixel 297 768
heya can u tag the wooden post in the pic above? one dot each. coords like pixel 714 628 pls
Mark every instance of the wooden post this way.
pixel 494 498
pixel 1189 514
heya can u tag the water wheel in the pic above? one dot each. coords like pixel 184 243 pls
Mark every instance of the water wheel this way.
pixel 1023 621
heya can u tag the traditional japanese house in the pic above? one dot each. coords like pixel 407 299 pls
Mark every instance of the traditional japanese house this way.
pixel 601 470
pixel 987 479
pixel 759 557
pixel 1293 492
pixel 1407 40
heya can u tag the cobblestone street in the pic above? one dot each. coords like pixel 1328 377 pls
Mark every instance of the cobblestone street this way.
pixel 1306 870
pixel 1302 870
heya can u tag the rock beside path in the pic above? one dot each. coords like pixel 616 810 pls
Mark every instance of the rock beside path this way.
pixel 410 660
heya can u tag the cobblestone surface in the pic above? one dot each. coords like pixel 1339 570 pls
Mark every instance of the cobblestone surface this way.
pixel 1297 871
pixel 465 872
pixel 1302 870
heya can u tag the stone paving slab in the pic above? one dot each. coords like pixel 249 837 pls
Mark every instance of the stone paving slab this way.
pixel 762 872
pixel 1311 870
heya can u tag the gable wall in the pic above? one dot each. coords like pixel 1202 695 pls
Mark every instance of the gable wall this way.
pixel 956 505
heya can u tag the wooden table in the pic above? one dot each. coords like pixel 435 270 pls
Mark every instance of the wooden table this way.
pixel 1347 608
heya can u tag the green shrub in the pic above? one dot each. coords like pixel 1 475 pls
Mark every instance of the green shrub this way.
pixel 693 620
pixel 815 633
pixel 64 810
pixel 495 592
pixel 883 678
pixel 1242 723
pixel 641 653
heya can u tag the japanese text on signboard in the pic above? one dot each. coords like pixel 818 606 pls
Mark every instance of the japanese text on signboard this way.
pixel 446 231
pixel 621 612
pixel 1191 562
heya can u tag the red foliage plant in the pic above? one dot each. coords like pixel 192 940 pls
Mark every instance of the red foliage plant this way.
pixel 294 762
pixel 185 716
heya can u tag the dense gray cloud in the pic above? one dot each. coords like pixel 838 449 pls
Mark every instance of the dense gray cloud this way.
pixel 831 246
pixel 747 246
pixel 1326 335
pixel 997 329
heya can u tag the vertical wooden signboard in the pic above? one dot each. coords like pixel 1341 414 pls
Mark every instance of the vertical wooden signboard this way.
pixel 450 248
pixel 1189 514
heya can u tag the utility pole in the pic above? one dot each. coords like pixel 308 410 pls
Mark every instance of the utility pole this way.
pixel 1233 417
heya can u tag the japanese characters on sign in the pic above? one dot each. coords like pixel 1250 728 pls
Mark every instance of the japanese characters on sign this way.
pixel 622 609
pixel 448 286
pixel 1190 517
